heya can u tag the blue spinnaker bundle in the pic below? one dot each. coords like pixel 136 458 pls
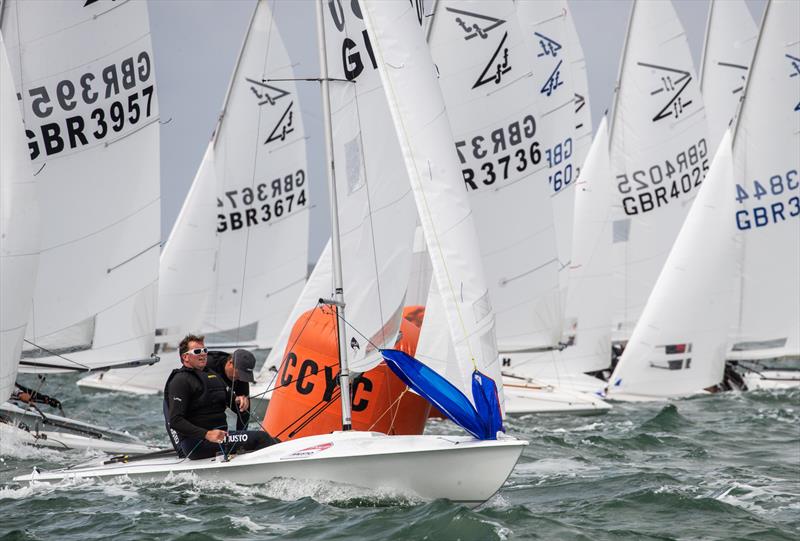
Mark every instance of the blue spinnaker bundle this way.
pixel 483 420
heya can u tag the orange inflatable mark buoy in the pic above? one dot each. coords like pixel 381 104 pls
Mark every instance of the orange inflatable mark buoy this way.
pixel 306 400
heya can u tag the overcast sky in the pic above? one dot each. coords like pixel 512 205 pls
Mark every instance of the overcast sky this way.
pixel 196 42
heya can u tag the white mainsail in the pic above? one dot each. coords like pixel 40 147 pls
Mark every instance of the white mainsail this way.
pixel 548 40
pixel 659 154
pixel 731 35
pixel 501 139
pixel 19 230
pixel 766 151
pixel 580 88
pixel 423 130
pixel 678 346
pixel 86 77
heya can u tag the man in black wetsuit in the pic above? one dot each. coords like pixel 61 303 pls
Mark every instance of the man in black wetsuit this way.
pixel 237 372
pixel 194 408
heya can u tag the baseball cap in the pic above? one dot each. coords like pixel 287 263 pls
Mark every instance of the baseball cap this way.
pixel 244 362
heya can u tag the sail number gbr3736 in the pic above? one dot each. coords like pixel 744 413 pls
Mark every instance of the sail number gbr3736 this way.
pixel 90 107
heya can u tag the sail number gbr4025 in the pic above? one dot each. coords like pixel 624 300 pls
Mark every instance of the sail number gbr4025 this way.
pixel 90 107
pixel 263 203
pixel 656 186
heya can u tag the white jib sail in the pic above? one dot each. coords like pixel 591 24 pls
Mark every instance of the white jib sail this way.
pixel 423 130
pixel 501 141
pixel 186 267
pixel 19 230
pixel 547 38
pixel 86 75
pixel 678 346
pixel 731 36
pixel 659 154
pixel 766 154
pixel 589 294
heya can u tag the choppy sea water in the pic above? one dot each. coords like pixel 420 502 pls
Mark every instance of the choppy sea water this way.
pixel 725 466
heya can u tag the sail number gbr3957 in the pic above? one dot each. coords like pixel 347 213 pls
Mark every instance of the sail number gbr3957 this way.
pixel 91 107
pixel 263 203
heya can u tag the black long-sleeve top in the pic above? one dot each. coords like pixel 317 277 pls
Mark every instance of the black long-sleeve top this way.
pixel 196 402
pixel 216 363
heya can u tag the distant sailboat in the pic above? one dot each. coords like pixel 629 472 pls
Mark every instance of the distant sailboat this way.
pixel 236 257
pixel 86 78
pixel 659 154
pixel 513 132
pixel 20 420
pixel 678 346
pixel 767 193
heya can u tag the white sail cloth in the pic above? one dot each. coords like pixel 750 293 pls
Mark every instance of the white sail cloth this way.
pixel 376 214
pixel 262 198
pixel 731 36
pixel 549 41
pixel 766 153
pixel 659 154
pixel 85 74
pixel 237 255
pixel 423 130
pixel 678 346
pixel 501 140
pixel 19 230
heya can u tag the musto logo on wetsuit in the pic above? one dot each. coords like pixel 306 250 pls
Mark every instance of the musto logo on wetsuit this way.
pixel 234 437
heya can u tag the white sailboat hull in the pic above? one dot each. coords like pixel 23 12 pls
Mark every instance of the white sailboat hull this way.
pixel 772 379
pixel 460 469
pixel 532 396
pixel 57 432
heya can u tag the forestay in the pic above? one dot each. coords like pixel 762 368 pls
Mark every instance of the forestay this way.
pixel 767 193
pixel 86 77
pixel 501 143
pixel 678 346
pixel 19 230
pixel 659 154
pixel 423 129
pixel 731 37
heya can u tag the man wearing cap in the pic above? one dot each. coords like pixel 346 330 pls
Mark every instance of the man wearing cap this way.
pixel 195 399
pixel 237 372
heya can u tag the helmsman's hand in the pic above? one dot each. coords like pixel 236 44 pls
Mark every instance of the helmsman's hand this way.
pixel 216 436
pixel 243 402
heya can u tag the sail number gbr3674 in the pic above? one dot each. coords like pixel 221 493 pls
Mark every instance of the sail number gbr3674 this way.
pixel 263 203
pixel 94 106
